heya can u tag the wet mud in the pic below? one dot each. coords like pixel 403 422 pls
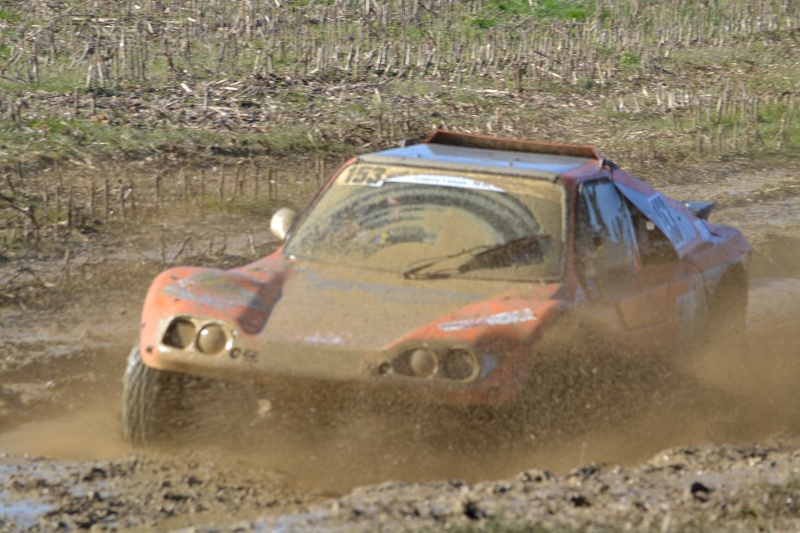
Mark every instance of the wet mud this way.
pixel 708 441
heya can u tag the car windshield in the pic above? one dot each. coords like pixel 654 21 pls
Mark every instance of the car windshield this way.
pixel 427 224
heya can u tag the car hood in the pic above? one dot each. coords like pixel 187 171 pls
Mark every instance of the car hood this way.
pixel 368 310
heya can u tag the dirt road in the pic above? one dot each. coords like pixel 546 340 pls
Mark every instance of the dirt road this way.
pixel 711 446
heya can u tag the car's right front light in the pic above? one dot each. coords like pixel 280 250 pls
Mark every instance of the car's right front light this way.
pixel 437 362
pixel 458 364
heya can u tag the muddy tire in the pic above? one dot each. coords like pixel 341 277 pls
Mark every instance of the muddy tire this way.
pixel 149 397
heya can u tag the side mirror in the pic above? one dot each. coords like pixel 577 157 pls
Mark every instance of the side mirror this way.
pixel 700 209
pixel 282 222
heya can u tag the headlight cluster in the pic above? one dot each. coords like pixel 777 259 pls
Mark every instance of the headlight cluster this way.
pixel 209 338
pixel 459 364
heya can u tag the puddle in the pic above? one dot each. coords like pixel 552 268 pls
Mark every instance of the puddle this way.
pixel 24 513
pixel 291 523
pixel 91 432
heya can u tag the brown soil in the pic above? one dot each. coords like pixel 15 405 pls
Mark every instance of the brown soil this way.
pixel 708 444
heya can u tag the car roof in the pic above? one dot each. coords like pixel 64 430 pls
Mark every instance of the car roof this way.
pixel 458 151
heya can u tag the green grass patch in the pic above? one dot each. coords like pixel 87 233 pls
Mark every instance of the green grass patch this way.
pixel 629 59
pixel 564 10
pixel 499 12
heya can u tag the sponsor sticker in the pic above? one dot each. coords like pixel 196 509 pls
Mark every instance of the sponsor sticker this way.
pixel 325 338
pixel 215 290
pixel 378 176
pixel 500 319
pixel 443 181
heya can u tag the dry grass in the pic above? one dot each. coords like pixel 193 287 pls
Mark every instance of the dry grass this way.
pixel 107 45
pixel 724 74
pixel 239 85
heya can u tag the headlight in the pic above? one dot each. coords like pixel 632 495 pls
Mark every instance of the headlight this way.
pixel 212 339
pixel 458 364
pixel 422 362
pixel 437 362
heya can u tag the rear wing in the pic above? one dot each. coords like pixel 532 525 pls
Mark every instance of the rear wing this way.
pixel 470 140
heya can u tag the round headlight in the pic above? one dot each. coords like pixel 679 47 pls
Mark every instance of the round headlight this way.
pixel 422 362
pixel 212 339
pixel 458 364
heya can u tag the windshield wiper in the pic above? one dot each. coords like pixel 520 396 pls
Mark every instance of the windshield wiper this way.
pixel 522 251
pixel 415 267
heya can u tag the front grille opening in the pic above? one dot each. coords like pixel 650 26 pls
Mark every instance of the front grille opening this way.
pixel 180 334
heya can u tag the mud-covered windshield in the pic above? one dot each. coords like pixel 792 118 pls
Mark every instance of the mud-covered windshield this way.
pixel 427 224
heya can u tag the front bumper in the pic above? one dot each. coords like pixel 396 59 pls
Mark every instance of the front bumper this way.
pixel 451 371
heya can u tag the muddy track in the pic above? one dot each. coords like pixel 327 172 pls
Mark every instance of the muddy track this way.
pixel 708 443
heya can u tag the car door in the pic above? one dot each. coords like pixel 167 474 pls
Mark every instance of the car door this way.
pixel 629 300
pixel 680 281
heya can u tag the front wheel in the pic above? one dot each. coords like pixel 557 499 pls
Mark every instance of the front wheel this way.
pixel 149 397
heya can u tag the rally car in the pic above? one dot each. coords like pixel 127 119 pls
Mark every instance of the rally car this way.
pixel 436 269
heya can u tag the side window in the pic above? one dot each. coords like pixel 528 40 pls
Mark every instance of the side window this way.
pixel 654 246
pixel 606 238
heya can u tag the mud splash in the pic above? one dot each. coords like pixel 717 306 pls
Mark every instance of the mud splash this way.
pixel 715 397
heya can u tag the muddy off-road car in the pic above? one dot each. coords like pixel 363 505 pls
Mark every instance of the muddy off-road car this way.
pixel 435 271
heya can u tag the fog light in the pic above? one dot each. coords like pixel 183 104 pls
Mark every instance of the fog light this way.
pixel 458 364
pixel 422 362
pixel 179 334
pixel 212 339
